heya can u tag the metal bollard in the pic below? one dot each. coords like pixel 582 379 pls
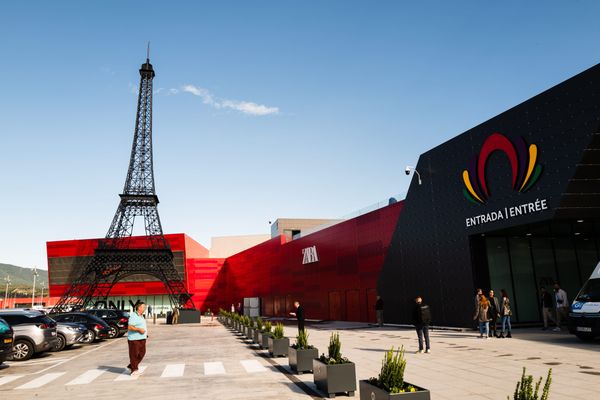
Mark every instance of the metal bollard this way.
pixel 154 319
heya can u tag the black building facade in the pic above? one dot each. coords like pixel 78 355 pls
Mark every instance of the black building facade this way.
pixel 513 203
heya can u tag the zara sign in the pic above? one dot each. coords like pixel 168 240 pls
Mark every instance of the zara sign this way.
pixel 309 255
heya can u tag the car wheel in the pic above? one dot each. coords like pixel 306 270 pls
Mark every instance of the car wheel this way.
pixel 113 332
pixel 60 343
pixel 23 350
pixel 89 337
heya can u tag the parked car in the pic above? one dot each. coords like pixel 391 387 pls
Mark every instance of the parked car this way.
pixel 34 332
pixel 68 334
pixel 116 319
pixel 96 328
pixel 7 337
pixel 584 315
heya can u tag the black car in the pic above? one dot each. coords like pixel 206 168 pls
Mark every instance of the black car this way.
pixel 97 329
pixel 7 337
pixel 116 319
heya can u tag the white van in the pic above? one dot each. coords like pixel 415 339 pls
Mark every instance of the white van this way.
pixel 584 317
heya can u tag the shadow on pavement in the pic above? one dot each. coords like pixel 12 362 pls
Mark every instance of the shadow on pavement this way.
pixel 113 370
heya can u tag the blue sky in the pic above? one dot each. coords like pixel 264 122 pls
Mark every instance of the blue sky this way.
pixel 301 109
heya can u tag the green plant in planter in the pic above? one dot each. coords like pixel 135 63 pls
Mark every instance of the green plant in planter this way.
pixel 259 324
pixel 525 391
pixel 391 376
pixel 302 341
pixel 334 354
pixel 268 327
pixel 250 323
pixel 278 331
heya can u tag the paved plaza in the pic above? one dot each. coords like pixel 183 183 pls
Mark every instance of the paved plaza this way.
pixel 208 361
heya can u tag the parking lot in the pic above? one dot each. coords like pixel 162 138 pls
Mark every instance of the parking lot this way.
pixel 207 361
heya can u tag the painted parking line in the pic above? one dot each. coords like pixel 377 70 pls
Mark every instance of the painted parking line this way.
pixel 214 368
pixel 87 377
pixel 125 376
pixel 9 378
pixel 173 371
pixel 42 380
pixel 252 366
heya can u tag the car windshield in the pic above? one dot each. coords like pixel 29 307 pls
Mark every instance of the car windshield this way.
pixel 4 327
pixel 125 314
pixel 590 291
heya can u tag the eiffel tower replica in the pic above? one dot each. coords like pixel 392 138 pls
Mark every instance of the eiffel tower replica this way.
pixel 117 256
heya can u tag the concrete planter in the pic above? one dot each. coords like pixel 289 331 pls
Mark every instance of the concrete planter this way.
pixel 301 360
pixel 372 392
pixel 263 340
pixel 279 347
pixel 255 337
pixel 337 378
pixel 248 333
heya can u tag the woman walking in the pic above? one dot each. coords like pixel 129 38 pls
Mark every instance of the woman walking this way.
pixel 481 315
pixel 505 313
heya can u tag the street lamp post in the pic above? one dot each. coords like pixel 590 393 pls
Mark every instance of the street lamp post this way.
pixel 7 279
pixel 42 296
pixel 35 274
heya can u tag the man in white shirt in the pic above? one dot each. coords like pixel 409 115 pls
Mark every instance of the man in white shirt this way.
pixel 562 305
pixel 136 337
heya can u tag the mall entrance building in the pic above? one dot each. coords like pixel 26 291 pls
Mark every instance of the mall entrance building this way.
pixel 513 204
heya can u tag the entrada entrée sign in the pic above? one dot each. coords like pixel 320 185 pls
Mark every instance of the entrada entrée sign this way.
pixel 507 213
pixel 525 172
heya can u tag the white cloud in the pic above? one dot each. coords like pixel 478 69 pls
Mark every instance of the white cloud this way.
pixel 246 107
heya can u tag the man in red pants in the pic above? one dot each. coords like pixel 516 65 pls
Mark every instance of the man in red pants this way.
pixel 136 338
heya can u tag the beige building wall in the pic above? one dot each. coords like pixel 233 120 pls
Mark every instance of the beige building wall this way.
pixel 225 246
pixel 290 227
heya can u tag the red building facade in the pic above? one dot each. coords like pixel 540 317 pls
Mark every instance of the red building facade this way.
pixel 338 284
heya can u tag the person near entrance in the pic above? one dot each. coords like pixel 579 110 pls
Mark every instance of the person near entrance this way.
pixel 136 338
pixel 562 305
pixel 494 313
pixel 478 294
pixel 299 314
pixel 482 317
pixel 149 311
pixel 546 307
pixel 421 320
pixel 379 311
pixel 505 313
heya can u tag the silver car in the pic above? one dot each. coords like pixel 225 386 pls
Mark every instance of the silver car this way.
pixel 67 334
pixel 34 332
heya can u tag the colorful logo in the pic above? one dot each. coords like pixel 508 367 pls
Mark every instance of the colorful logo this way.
pixel 525 171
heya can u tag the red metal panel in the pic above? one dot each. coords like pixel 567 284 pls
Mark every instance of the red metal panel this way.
pixel 353 305
pixel 350 255
pixel 335 306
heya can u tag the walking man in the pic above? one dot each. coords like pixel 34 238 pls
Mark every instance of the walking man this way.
pixel 379 311
pixel 136 338
pixel 494 313
pixel 421 320
pixel 299 314
pixel 562 305
pixel 546 306
pixel 149 311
